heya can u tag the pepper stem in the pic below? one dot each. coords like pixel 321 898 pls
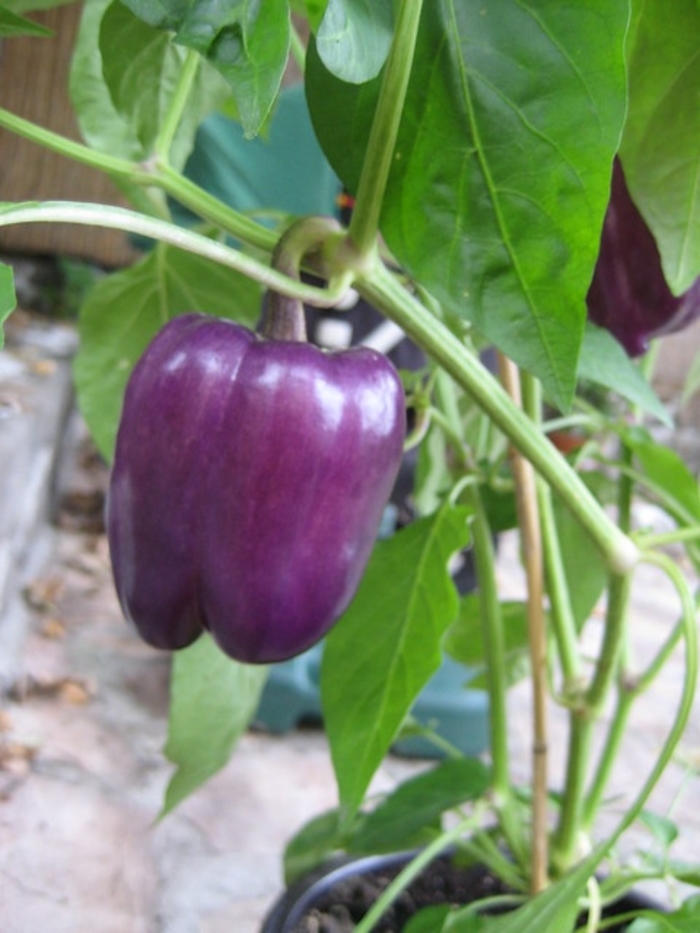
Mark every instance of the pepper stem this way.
pixel 283 317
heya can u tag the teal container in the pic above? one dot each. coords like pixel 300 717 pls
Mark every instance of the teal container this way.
pixel 455 712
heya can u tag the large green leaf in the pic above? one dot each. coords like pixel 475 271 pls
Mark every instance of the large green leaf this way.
pixel 142 67
pixel 661 144
pixel 123 79
pixel 8 300
pixel 213 700
pixel 125 310
pixel 502 165
pixel 384 650
pixel 354 37
pixel 247 43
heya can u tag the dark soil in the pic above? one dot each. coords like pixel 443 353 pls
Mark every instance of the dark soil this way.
pixel 341 907
pixel 344 905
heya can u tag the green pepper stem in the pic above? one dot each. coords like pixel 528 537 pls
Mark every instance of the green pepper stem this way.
pixel 119 218
pixel 284 317
pixel 364 224
pixel 381 288
pixel 152 174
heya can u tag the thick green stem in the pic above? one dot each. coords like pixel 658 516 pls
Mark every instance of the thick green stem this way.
pixel 566 843
pixel 613 641
pixel 154 174
pixel 608 757
pixel 117 218
pixel 379 155
pixel 563 621
pixel 381 288
pixel 582 718
pixel 210 208
pixel 494 647
pixel 103 162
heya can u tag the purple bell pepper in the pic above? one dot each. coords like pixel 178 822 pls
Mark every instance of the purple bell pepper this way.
pixel 628 294
pixel 249 480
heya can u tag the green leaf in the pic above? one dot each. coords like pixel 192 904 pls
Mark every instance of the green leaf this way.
pixel 11 24
pixel 341 114
pixel 507 181
pixel 584 566
pixel 411 815
pixel 428 920
pixel 684 920
pixel 604 361
pixel 667 471
pixel 124 311
pixel 664 830
pixel 465 642
pixel 555 910
pixel 661 144
pixel 141 67
pixel 101 125
pixel 8 299
pixel 386 647
pixel 247 43
pixel 213 700
pixel 354 38
pixel 315 842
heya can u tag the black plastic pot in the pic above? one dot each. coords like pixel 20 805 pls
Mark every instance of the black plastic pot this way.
pixel 335 890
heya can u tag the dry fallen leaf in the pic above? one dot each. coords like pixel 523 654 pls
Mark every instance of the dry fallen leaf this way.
pixel 42 594
pixel 52 628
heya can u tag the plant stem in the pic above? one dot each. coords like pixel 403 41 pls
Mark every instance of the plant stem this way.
pixel 284 317
pixel 685 706
pixel 613 741
pixel 381 288
pixel 210 208
pixel 153 174
pixel 581 721
pixel 118 218
pixel 103 162
pixel 662 539
pixel 613 640
pixel 176 107
pixel 565 847
pixel 407 875
pixel 297 47
pixel 494 648
pixel 379 155
pixel 528 520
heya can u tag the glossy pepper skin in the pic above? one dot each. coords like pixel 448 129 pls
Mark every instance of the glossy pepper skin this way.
pixel 628 294
pixel 248 483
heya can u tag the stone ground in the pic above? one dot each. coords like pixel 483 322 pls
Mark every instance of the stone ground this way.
pixel 83 718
